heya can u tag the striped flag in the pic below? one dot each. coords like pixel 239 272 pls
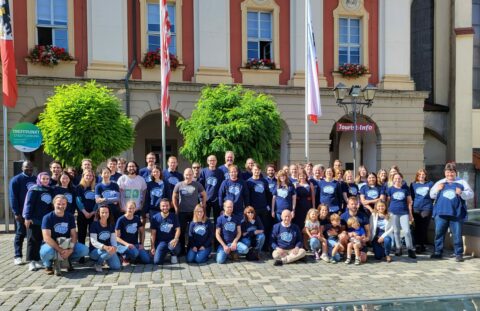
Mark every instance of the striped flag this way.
pixel 9 71
pixel 165 38
pixel 312 91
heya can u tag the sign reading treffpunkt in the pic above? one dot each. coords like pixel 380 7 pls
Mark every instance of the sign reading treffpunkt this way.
pixel 25 137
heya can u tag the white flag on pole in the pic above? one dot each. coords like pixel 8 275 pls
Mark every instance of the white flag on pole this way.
pixel 312 91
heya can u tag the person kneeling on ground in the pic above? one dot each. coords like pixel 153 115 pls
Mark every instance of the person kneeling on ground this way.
pixel 165 234
pixel 252 233
pixel 228 234
pixel 286 241
pixel 60 236
pixel 199 237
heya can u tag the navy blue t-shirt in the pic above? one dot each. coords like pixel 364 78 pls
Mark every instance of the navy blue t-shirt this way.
pixel 350 189
pixel 86 199
pixel 200 234
pixel 283 198
pixel 225 172
pixel 236 191
pixel 362 218
pixel 211 181
pixel 421 196
pixel 272 183
pixel 156 190
pixel 165 227
pixel 330 195
pixel 58 226
pixel 228 227
pixel 129 228
pixel 449 203
pixel 146 173
pixel 104 234
pixel 371 192
pixel 172 178
pixel 111 192
pixel 259 193
pixel 286 237
pixel 70 195
pixel 398 200
pixel 251 227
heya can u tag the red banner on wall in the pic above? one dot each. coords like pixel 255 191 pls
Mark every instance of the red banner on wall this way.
pixel 361 127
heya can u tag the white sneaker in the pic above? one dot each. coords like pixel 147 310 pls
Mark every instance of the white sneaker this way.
pixel 17 261
pixel 31 266
pixel 174 259
pixel 38 265
pixel 98 268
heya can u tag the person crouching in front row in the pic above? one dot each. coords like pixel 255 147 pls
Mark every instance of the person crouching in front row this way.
pixel 286 241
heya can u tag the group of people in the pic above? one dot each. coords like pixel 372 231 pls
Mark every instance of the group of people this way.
pixel 333 213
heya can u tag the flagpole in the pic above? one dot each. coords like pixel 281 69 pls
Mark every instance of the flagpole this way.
pixel 307 156
pixel 162 81
pixel 5 171
pixel 164 144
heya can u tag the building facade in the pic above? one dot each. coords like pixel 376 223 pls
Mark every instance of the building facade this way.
pixel 420 54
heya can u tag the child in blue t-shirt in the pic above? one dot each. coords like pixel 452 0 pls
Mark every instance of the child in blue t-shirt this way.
pixel 331 233
pixel 356 241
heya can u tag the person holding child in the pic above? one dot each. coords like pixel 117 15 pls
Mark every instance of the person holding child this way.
pixel 356 240
pixel 313 234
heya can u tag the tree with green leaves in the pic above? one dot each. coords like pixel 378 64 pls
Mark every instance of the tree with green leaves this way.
pixel 84 121
pixel 231 118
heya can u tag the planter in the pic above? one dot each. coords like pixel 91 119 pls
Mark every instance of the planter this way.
pixel 153 74
pixel 61 70
pixel 260 76
pixel 349 81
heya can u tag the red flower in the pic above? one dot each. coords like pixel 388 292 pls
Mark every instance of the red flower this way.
pixel 352 70
pixel 48 55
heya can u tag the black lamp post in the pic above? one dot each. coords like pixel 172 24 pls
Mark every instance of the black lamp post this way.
pixel 354 106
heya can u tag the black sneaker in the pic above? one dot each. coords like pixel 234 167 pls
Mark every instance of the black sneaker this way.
pixel 49 270
pixel 81 260
pixel 411 254
pixel 278 262
pixel 436 256
pixel 459 258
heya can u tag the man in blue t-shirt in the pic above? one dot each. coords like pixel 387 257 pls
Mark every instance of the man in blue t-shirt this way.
pixel 60 237
pixel 287 242
pixel 165 234
pixel 211 178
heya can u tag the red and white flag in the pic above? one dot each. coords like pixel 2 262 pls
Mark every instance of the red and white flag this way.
pixel 312 91
pixel 165 38
pixel 9 71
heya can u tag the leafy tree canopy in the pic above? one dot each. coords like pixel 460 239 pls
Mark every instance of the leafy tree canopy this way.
pixel 231 118
pixel 84 121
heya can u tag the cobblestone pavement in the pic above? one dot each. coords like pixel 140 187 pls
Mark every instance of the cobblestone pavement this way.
pixel 238 284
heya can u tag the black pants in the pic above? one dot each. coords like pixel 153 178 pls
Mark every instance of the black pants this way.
pixel 34 242
pixel 82 224
pixel 20 234
pixel 267 221
pixel 184 218
pixel 421 228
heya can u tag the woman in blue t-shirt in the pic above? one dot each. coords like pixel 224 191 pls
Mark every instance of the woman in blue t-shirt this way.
pixel 200 233
pixel 305 199
pixel 157 189
pixel 85 203
pixel 284 196
pixel 108 193
pixel 65 187
pixel 130 234
pixel 371 193
pixel 400 206
pixel 103 242
pixel 422 208
pixel 330 192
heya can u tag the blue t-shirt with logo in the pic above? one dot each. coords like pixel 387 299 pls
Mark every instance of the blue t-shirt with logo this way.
pixel 104 234
pixel 449 203
pixel 259 193
pixel 200 234
pixel 272 183
pixel 283 198
pixel 156 190
pixel 172 178
pixel 371 192
pixel 352 190
pixel 58 226
pixel 236 191
pixel 86 199
pixel 398 200
pixel 110 192
pixel 252 226
pixel 228 227
pixel 129 228
pixel 211 181
pixel 421 196
pixel 330 195
pixel 70 195
pixel 286 237
pixel 165 227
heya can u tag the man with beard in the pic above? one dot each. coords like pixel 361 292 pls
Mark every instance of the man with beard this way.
pixel 132 188
pixel 146 171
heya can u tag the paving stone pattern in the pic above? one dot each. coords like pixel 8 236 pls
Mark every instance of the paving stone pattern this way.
pixel 233 285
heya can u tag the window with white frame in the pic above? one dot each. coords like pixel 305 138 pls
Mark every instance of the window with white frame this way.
pixel 349 41
pixel 259 32
pixel 153 27
pixel 52 20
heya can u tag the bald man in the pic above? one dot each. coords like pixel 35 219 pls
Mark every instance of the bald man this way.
pixel 287 242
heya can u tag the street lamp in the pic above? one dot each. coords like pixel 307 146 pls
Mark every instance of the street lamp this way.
pixel 354 106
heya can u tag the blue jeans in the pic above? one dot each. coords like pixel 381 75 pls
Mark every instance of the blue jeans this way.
pixel 242 249
pixel 332 242
pixel 161 251
pixel 133 254
pixel 314 244
pixel 382 249
pixel 20 234
pixel 47 253
pixel 441 225
pixel 100 256
pixel 259 238
pixel 200 256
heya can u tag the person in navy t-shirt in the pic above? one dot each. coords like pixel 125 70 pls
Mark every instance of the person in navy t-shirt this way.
pixel 112 164
pixel 171 175
pixel 399 203
pixel 200 234
pixel 165 234
pixel 330 192
pixel 287 242
pixel 157 189
pixel 65 187
pixel 252 230
pixel 228 233
pixel 108 193
pixel 422 208
pixel 236 190
pixel 450 210
pixel 146 172
pixel 85 203
pixel 371 193
pixel 270 178
pixel 130 234
pixel 284 196
pixel 229 160
pixel 55 225
pixel 211 178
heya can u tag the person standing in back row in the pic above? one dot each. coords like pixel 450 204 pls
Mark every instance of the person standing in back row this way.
pixel 211 178
pixel 171 175
pixel 132 188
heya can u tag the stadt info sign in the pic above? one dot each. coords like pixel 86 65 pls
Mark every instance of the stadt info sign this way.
pixel 25 137
pixel 361 127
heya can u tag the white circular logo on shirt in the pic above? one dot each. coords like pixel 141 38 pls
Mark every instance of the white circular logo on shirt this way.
pixel 212 181
pixel 399 195
pixel 61 227
pixel 69 197
pixel 109 194
pixel 166 227
pixel 131 228
pixel 234 189
pixel 200 230
pixel 283 193
pixel 286 236
pixel 259 188
pixel 157 192
pixel 89 195
pixel 328 189
pixel 352 190
pixel 173 180
pixel 104 235
pixel 230 226
pixel 46 197
pixel 372 194
pixel 449 194
pixel 422 191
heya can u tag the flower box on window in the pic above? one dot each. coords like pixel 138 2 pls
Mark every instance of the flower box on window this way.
pixel 258 63
pixel 151 59
pixel 48 55
pixel 352 70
